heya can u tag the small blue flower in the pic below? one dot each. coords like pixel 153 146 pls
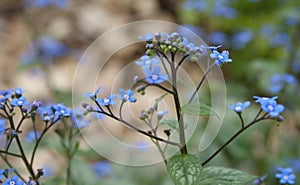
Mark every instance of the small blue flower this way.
pixel 240 39
pixel 221 58
pixel 278 81
pixel 161 114
pixel 19 91
pixel 239 107
pixel 45 3
pixel 146 61
pixel 285 175
pixel 19 102
pixel 32 136
pixel 223 10
pixel 46 113
pixel 269 105
pixel 60 111
pixel 107 101
pixel 44 49
pixel 102 168
pixel 92 96
pixel 2 127
pixel 153 76
pixel 14 180
pixel 127 95
pixel 147 37
pixel 217 37
pixel 211 48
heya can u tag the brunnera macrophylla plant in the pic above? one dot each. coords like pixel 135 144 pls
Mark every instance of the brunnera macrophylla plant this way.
pixel 16 116
pixel 160 65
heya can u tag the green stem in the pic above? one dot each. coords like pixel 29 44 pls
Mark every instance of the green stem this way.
pixel 137 129
pixel 183 148
pixel 209 69
pixel 240 131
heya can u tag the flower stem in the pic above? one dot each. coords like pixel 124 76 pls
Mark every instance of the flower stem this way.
pixel 240 131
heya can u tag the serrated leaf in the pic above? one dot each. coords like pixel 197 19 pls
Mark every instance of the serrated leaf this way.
pixel 224 176
pixel 159 99
pixel 184 169
pixel 198 109
pixel 172 123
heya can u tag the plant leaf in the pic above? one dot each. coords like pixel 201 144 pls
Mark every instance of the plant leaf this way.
pixel 184 169
pixel 214 175
pixel 198 109
pixel 159 99
pixel 172 123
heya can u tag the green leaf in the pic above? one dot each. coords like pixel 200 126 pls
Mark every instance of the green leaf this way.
pixel 198 109
pixel 184 169
pixel 172 123
pixel 224 176
pixel 157 100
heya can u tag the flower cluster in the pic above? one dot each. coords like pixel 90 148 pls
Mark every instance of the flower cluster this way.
pixel 45 3
pixel 278 81
pixel 164 43
pixel 6 180
pixel 124 96
pixel 44 49
pixel 270 105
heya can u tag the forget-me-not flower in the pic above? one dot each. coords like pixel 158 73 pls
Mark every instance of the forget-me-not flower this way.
pixel 107 101
pixel 269 105
pixel 153 76
pixel 220 58
pixel 285 175
pixel 2 127
pixel 239 107
pixel 146 61
pixel 14 180
pixel 127 95
pixel 93 95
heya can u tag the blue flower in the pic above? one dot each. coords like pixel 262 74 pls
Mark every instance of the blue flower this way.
pixel 242 38
pixel 107 101
pixel 147 37
pixel 285 175
pixel 223 10
pixel 146 61
pixel 127 95
pixel 14 180
pixel 45 48
pixel 19 102
pixel 46 113
pixel 153 75
pixel 221 58
pixel 269 105
pixel 92 96
pixel 32 136
pixel 2 127
pixel 278 81
pixel 60 111
pixel 194 5
pixel 217 37
pixel 19 91
pixel 239 107
pixel 45 3
pixel 102 168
